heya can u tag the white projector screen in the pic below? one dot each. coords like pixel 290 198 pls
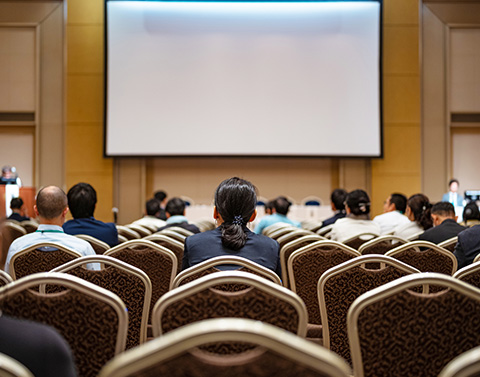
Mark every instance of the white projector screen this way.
pixel 243 79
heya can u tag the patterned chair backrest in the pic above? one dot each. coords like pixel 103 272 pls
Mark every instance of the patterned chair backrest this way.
pixel 397 332
pixel 339 286
pixel 41 257
pixel 159 263
pixel 465 365
pixel 5 278
pixel 210 266
pixel 143 232
pixel 171 244
pixel 286 238
pixel 289 248
pixel 380 245
pixel 358 240
pixel 129 283
pixel 449 244
pixel 263 301
pixel 12 368
pixel 180 354
pixel 306 265
pixel 99 246
pixel 92 320
pixel 426 257
pixel 10 232
pixel 469 274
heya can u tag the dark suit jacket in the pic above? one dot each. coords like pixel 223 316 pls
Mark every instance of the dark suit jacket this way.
pixel 331 220
pixel 258 248
pixel 106 232
pixel 446 230
pixel 468 246
pixel 17 217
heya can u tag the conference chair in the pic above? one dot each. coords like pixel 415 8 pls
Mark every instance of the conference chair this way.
pixel 414 237
pixel 274 227
pixel 172 244
pixel 311 200
pixel 151 228
pixel 92 320
pixel 12 368
pixel 128 233
pixel 394 331
pixel 129 283
pixel 293 235
pixel 449 244
pixel 10 232
pixel 466 364
pixel 210 266
pixel 380 245
pixel 159 263
pixel 179 353
pixel 469 274
pixel 41 257
pixel 325 231
pixel 312 226
pixel 5 278
pixel 182 231
pixel 356 241
pixel 305 266
pixel 339 286
pixel 141 230
pixel 289 248
pixel 122 239
pixel 173 234
pixel 29 225
pixel 204 225
pixel 204 298
pixel 477 259
pixel 99 246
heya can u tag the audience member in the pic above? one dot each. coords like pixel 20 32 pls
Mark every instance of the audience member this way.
pixel 269 207
pixel 452 196
pixel 18 210
pixel 51 209
pixel 445 224
pixel 161 196
pixel 82 199
pixel 40 348
pixel 281 205
pixel 9 176
pixel 418 212
pixel 235 203
pixel 393 213
pixel 175 211
pixel 468 246
pixel 471 215
pixel 357 220
pixel 152 210
pixel 337 199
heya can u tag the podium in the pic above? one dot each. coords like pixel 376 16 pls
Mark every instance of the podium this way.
pixel 26 193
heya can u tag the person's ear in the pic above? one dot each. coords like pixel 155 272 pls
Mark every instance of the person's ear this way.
pixel 254 215
pixel 65 211
pixel 36 210
pixel 215 213
pixel 456 218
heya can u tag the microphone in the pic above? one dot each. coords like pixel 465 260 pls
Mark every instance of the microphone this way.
pixel 115 214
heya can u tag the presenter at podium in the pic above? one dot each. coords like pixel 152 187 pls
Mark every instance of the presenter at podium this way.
pixel 9 176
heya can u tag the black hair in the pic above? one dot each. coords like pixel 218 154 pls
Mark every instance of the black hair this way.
pixel 175 207
pixel 420 206
pixel 82 199
pixel 282 205
pixel 471 212
pixel 453 180
pixel 400 202
pixel 16 203
pixel 160 196
pixel 444 209
pixel 338 199
pixel 51 202
pixel 358 202
pixel 152 207
pixel 235 201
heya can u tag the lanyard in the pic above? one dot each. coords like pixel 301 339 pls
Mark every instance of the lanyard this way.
pixel 49 231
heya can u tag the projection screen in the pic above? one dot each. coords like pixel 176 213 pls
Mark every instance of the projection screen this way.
pixel 243 79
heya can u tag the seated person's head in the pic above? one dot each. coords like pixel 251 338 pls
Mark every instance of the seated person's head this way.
pixel 82 199
pixel 441 211
pixel 235 206
pixel 160 196
pixel 152 207
pixel 358 203
pixel 395 202
pixel 471 212
pixel 51 203
pixel 7 172
pixel 16 204
pixel 270 207
pixel 282 205
pixel 338 199
pixel 419 210
pixel 175 207
pixel 453 185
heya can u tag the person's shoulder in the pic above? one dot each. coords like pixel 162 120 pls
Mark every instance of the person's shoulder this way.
pixel 262 239
pixel 203 236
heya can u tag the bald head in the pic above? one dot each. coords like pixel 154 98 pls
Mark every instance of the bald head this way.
pixel 51 202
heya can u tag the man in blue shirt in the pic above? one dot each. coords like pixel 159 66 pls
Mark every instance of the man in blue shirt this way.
pixel 82 199
pixel 281 206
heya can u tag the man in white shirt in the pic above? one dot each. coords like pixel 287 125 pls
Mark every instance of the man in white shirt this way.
pixel 51 208
pixel 394 209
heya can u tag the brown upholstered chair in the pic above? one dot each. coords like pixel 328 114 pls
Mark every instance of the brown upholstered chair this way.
pixel 11 230
pixel 122 239
pixel 339 286
pixel 394 331
pixel 141 230
pixel 449 244
pixel 466 364
pixel 99 246
pixel 159 263
pixel 358 240
pixel 171 244
pixel 291 236
pixel 91 319
pixel 4 278
pixel 469 274
pixel 179 354
pixel 41 257
pixel 425 256
pixel 380 245
pixel 128 233
pixel 282 231
pixel 210 266
pixel 182 231
pixel 129 283
pixel 172 234
pixel 12 368
pixel 305 266
pixel 414 237
pixel 325 231
pixel 289 248
pixel 29 225
pixel 204 298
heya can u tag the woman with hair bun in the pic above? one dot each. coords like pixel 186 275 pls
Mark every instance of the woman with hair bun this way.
pixel 418 212
pixel 235 207
pixel 357 221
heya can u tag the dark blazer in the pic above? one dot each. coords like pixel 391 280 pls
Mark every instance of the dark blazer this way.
pixel 106 232
pixel 258 248
pixel 468 246
pixel 17 217
pixel 331 220
pixel 446 230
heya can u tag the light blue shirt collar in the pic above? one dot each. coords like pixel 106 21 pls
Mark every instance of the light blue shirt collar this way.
pixel 177 219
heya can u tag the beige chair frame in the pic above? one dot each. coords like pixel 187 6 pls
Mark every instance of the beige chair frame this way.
pixel 140 229
pixel 447 243
pixel 10 367
pixel 29 224
pixel 172 234
pixel 389 289
pixel 106 260
pixel 465 365
pixel 366 235
pixel 182 231
pixel 298 232
pixel 128 233
pixel 213 262
pixel 94 241
pixel 225 330
pixel 379 239
pixel 274 227
pixel 288 228
pixel 325 231
pixel 226 277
